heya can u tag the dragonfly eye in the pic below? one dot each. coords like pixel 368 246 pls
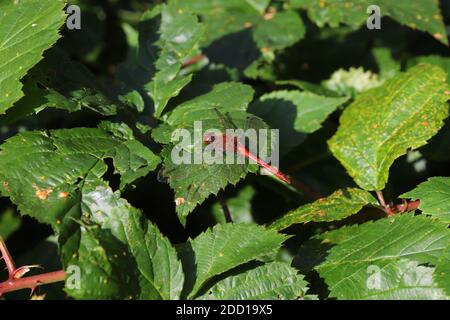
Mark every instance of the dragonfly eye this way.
pixel 209 138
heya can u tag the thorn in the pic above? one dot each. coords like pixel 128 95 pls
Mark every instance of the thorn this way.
pixel 32 291
pixel 21 271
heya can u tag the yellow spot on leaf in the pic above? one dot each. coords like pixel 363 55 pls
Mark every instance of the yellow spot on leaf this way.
pixel 438 36
pixel 63 194
pixel 319 213
pixel 179 201
pixel 270 13
pixel 42 194
pixel 265 49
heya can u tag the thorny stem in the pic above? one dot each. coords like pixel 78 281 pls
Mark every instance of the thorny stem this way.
pixel 31 282
pixel 6 256
pixel 15 282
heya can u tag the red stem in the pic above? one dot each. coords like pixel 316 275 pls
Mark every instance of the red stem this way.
pixel 381 199
pixel 8 259
pixel 32 281
pixel 406 206
pixel 390 210
pixel 13 284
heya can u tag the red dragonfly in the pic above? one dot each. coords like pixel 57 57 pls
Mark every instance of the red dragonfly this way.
pixel 231 143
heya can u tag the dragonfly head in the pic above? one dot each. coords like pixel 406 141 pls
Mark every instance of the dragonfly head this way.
pixel 209 138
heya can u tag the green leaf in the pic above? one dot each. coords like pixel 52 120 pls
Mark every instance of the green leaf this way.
pixel 223 248
pixel 272 281
pixel 434 196
pixel 423 15
pixel 256 34
pixel 180 33
pixel 43 172
pixel 58 82
pixel 9 222
pixel 279 32
pixel 387 65
pixel 227 97
pixel 393 247
pixel 341 204
pixel 259 5
pixel 22 21
pixel 308 87
pixel 240 207
pixel 137 259
pixel 107 270
pixel 385 280
pixel 440 61
pixel 294 113
pixel 442 272
pixel 193 182
pixel 383 123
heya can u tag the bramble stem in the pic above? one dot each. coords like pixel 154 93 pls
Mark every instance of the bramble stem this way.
pixel 391 210
pixel 15 282
pixel 6 256
pixel 406 206
pixel 32 281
